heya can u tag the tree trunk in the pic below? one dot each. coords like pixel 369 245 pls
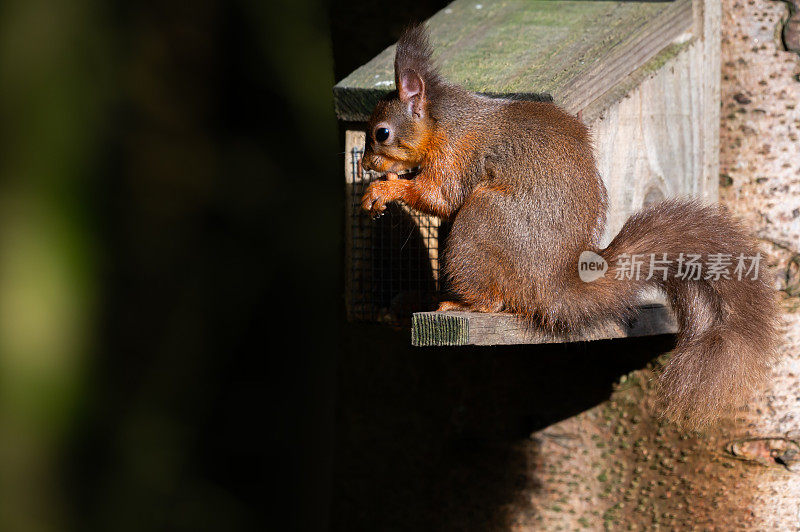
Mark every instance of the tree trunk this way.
pixel 615 465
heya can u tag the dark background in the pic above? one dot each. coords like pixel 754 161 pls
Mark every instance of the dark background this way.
pixel 171 202
pixel 171 281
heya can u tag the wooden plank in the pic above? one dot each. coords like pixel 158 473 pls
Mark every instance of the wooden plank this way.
pixel 570 51
pixel 661 139
pixel 354 226
pixel 475 328
pixel 708 19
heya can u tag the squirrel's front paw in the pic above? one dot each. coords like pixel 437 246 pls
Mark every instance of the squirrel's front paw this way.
pixel 375 198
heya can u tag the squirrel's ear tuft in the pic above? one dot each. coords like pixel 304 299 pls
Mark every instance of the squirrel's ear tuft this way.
pixel 414 72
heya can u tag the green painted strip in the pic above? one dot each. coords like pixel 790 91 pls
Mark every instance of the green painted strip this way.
pixel 437 329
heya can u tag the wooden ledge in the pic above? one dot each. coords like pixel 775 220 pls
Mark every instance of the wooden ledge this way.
pixel 475 328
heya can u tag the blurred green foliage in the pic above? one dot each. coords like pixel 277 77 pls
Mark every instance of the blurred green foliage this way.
pixel 54 96
pixel 169 178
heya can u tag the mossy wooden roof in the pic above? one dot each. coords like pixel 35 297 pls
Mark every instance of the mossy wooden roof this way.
pixel 571 51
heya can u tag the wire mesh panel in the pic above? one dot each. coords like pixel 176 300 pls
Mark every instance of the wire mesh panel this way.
pixel 392 263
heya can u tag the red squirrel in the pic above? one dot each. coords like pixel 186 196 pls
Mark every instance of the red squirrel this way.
pixel 519 184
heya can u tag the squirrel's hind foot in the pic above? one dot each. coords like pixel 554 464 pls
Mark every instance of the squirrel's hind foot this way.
pixel 458 306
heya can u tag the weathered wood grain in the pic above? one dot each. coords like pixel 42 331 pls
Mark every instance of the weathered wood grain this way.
pixel 353 253
pixel 661 139
pixel 476 328
pixel 571 51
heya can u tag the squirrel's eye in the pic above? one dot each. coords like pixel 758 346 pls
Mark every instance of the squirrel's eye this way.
pixel 381 134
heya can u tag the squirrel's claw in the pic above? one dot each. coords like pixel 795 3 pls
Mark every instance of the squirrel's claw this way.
pixel 374 201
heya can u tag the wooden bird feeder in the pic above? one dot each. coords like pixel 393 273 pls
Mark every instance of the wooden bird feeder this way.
pixel 644 76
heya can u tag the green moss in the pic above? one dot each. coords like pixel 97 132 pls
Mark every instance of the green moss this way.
pixel 531 47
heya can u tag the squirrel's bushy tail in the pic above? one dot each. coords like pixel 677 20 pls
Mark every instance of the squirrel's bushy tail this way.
pixel 727 336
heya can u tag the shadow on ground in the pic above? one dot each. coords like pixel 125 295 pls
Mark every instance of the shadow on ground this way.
pixel 438 438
